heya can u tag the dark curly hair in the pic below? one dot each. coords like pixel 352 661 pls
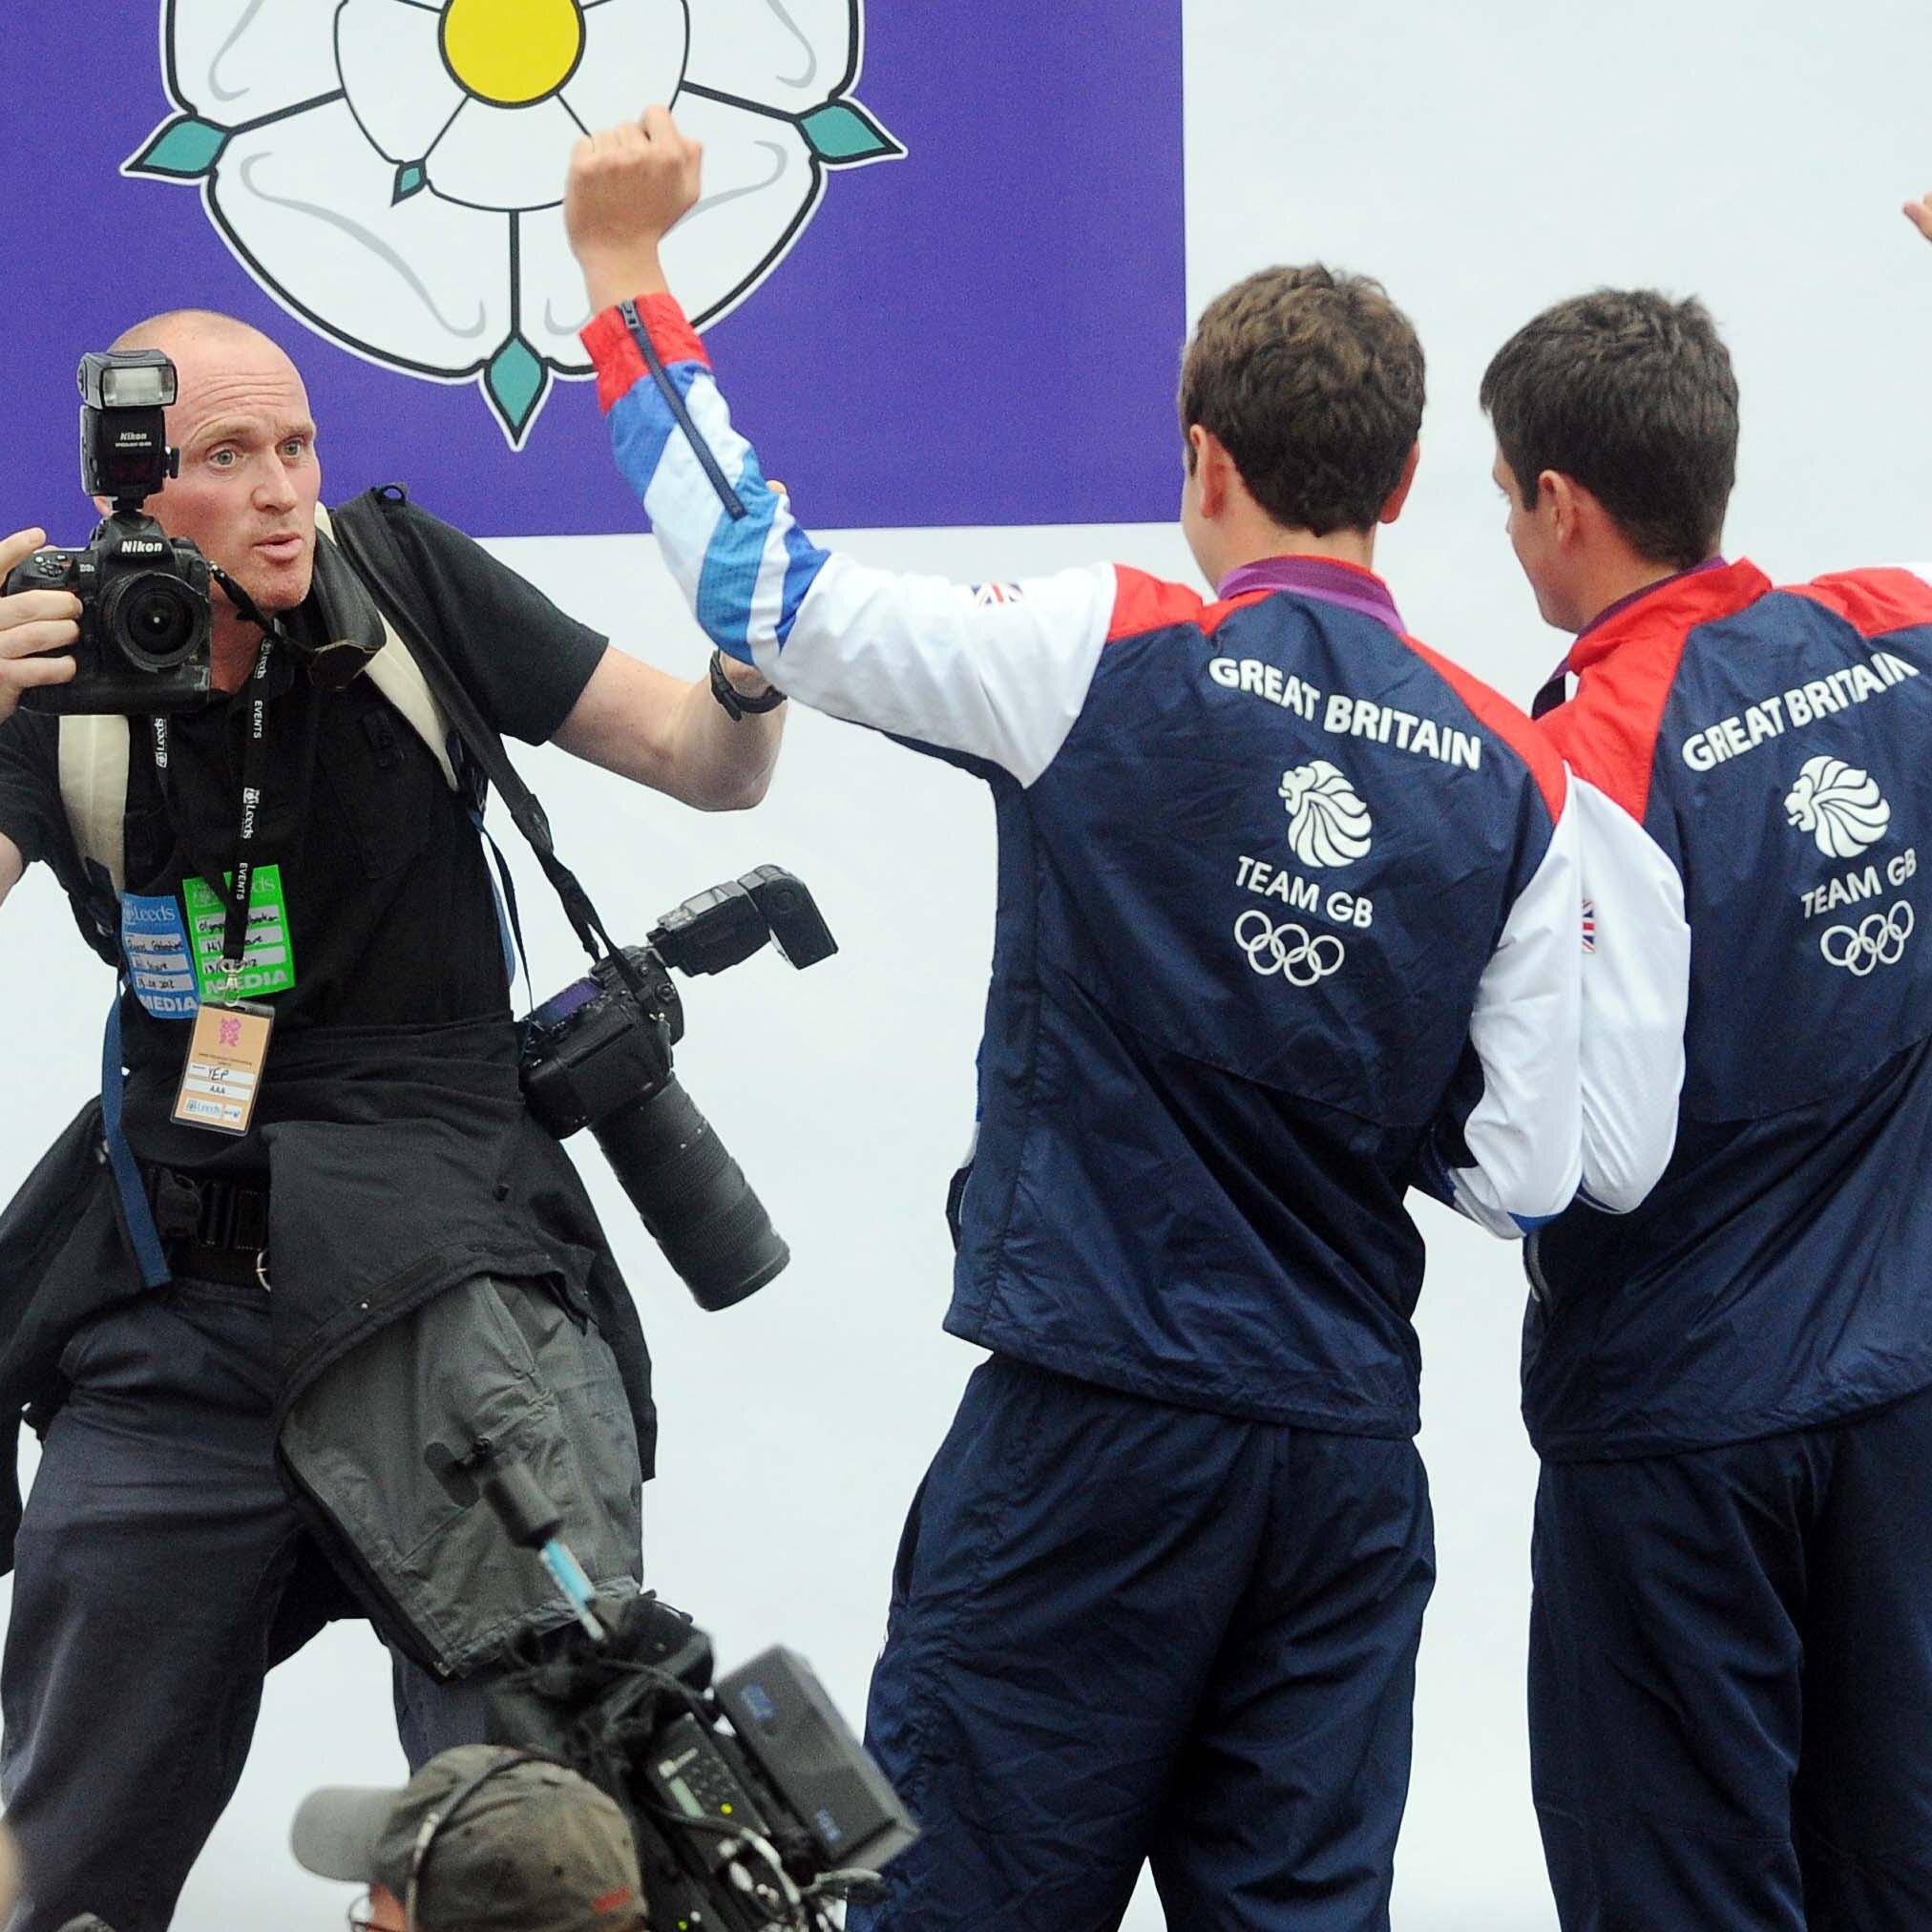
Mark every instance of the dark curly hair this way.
pixel 1313 383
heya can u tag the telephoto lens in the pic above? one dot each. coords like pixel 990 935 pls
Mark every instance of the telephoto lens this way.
pixel 692 1196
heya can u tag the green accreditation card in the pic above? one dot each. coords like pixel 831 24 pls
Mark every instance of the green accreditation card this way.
pixel 268 963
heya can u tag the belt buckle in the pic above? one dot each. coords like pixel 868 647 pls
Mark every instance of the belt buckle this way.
pixel 179 1204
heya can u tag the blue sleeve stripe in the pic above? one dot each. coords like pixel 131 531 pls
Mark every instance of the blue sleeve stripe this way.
pixel 641 425
pixel 1530 1223
pixel 805 560
pixel 728 587
pixel 737 554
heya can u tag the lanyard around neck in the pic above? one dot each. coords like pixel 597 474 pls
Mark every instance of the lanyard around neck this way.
pixel 235 897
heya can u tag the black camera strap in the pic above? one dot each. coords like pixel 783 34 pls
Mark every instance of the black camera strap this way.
pixel 365 534
pixel 235 897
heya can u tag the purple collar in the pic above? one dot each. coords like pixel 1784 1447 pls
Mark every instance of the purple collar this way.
pixel 1327 578
pixel 1623 603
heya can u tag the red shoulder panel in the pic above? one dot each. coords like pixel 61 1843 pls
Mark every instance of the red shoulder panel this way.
pixel 1143 603
pixel 1609 730
pixel 1626 668
pixel 620 363
pixel 1497 715
pixel 1874 602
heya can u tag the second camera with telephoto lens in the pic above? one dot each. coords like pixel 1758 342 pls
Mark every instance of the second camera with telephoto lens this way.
pixel 598 1056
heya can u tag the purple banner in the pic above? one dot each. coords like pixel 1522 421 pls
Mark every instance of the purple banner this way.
pixel 940 259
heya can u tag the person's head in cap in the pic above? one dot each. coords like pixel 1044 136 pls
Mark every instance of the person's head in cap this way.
pixel 483 1838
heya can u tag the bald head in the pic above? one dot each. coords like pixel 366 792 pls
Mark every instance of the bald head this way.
pixel 248 481
pixel 212 352
pixel 175 325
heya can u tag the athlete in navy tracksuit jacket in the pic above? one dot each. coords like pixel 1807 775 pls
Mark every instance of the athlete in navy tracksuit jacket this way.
pixel 1274 878
pixel 1731 1386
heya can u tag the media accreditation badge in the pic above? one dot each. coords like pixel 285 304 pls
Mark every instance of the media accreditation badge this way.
pixel 228 1045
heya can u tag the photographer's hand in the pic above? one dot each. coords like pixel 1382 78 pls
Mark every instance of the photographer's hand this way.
pixel 628 187
pixel 30 623
pixel 1919 214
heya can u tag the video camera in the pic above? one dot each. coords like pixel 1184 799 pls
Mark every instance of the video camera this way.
pixel 753 1806
pixel 598 1054
pixel 145 609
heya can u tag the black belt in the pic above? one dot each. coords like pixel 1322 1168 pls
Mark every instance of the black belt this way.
pixel 215 1229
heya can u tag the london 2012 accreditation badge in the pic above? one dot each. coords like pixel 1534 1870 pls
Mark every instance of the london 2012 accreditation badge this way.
pixel 223 1077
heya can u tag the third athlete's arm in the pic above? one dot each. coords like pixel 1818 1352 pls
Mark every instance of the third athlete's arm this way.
pixel 1523 1133
pixel 1636 984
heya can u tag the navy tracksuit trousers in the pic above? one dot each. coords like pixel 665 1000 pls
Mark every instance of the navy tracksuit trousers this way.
pixel 1731 1683
pixel 1123 1632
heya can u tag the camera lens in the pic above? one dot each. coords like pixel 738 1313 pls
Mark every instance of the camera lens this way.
pixel 155 622
pixel 692 1196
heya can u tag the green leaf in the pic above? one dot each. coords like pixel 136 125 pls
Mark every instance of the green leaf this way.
pixel 412 178
pixel 843 135
pixel 180 150
pixel 516 382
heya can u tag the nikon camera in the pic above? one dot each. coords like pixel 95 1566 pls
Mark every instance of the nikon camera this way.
pixel 145 612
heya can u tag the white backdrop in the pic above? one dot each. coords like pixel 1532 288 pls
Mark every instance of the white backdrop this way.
pixel 1482 160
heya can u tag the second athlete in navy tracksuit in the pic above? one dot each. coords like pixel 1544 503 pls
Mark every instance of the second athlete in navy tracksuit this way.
pixel 1731 1385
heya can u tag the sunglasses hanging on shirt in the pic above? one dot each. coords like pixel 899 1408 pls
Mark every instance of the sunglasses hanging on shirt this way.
pixel 332 666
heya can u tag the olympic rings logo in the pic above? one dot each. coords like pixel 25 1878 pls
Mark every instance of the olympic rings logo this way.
pixel 1878 941
pixel 1287 949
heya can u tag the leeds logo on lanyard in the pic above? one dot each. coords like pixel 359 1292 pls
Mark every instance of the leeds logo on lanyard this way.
pixel 228 1047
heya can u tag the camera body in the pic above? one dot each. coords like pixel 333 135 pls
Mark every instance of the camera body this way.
pixel 144 620
pixel 752 1804
pixel 595 1045
pixel 146 609
pixel 598 1056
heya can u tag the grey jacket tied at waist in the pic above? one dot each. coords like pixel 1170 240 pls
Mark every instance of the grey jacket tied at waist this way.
pixel 401 1164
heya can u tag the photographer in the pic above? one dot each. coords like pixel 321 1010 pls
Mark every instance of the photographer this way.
pixel 483 1838
pixel 263 1360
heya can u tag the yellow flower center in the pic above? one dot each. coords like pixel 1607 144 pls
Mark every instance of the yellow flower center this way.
pixel 511 52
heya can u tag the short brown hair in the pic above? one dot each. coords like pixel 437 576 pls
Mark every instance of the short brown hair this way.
pixel 1630 394
pixel 1313 383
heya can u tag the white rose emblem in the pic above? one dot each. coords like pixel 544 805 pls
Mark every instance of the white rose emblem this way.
pixel 393 169
pixel 1839 806
pixel 1327 824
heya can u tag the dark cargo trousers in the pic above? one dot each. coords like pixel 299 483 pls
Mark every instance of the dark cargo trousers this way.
pixel 1731 1683
pixel 1123 1632
pixel 161 1571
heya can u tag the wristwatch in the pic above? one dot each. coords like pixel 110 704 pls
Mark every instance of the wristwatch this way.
pixel 733 700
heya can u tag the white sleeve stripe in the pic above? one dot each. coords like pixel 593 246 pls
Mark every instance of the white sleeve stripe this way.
pixel 1524 1134
pixel 1637 995
pixel 921 657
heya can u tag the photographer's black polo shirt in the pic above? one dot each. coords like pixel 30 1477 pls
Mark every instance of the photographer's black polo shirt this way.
pixel 391 921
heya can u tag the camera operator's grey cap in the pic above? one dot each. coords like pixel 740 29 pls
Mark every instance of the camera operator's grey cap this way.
pixel 531 1848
